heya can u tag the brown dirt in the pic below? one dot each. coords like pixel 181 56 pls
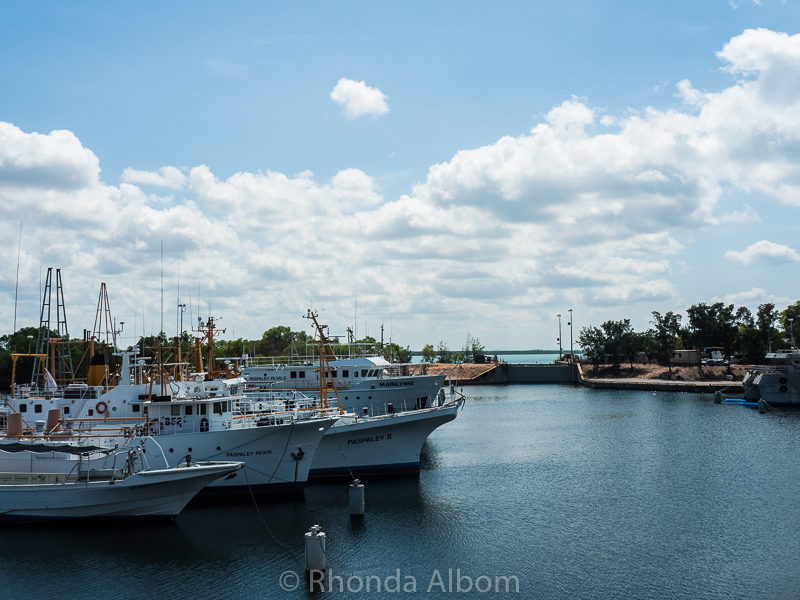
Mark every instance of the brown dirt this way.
pixel 716 373
pixel 465 371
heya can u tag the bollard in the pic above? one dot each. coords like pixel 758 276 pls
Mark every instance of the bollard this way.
pixel 315 549
pixel 356 498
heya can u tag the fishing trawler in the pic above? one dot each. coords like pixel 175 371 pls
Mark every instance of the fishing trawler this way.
pixel 204 419
pixel 362 381
pixel 372 442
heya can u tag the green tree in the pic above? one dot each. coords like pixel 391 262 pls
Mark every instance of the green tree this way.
pixel 396 353
pixel 428 353
pixel 667 330
pixel 790 322
pixel 616 337
pixel 593 342
pixel 765 318
pixel 443 354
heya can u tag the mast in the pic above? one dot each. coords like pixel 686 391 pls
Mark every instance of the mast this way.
pixel 326 381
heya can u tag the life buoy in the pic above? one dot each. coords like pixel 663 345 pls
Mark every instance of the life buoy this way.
pixel 155 426
pixel 101 407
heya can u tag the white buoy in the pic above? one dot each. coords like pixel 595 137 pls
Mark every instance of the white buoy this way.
pixel 356 498
pixel 315 549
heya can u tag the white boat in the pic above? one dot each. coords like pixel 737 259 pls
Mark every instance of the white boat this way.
pixel 777 384
pixel 367 446
pixel 125 490
pixel 366 381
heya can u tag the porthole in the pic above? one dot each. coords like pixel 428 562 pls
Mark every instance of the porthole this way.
pixel 171 450
pixel 218 448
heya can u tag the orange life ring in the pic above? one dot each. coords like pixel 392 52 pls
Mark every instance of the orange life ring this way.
pixel 101 407
pixel 155 426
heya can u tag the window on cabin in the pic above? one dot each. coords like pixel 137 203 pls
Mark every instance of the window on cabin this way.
pixel 187 410
pixel 217 408
pixel 345 372
pixel 293 374
pixel 202 409
pixel 66 410
pixel 363 372
pixel 302 374
pixel 333 373
pixel 136 408
pixel 23 408
pixel 37 408
pixel 175 411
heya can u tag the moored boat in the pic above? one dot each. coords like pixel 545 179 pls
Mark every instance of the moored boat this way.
pixel 129 489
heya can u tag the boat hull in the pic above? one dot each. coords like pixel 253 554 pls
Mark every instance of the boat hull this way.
pixel 277 458
pixel 159 494
pixel 382 446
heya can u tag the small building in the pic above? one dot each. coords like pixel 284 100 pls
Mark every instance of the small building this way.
pixel 686 357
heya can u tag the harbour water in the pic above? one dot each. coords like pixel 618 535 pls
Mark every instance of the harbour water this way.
pixel 547 491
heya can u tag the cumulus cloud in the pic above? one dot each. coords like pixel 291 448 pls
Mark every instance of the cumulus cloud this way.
pixel 764 252
pixel 358 99
pixel 167 177
pixel 55 160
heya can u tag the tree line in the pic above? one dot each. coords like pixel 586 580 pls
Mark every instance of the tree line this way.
pixel 736 330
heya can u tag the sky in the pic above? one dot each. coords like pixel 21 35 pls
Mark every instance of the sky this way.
pixel 441 169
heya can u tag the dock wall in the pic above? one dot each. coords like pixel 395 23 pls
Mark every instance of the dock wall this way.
pixel 505 373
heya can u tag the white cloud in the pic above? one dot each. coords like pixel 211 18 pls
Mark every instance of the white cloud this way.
pixel 358 99
pixel 764 252
pixel 168 177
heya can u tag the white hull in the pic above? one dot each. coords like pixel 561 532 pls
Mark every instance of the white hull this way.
pixel 385 445
pixel 276 457
pixel 159 493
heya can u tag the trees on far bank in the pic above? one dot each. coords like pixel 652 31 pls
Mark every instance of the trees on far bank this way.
pixel 735 330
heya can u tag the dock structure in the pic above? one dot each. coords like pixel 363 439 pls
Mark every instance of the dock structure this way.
pixel 505 373
pixel 565 372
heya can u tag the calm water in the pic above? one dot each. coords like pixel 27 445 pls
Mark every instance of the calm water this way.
pixel 577 493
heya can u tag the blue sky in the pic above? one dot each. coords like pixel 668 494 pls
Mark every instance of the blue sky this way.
pixel 483 166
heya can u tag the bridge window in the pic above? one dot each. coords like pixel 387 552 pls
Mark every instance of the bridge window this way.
pixel 187 410
pixel 217 408
pixel 345 372
pixel 201 410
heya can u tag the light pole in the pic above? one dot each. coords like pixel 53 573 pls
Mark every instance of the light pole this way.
pixel 559 336
pixel 571 354
pixel 181 308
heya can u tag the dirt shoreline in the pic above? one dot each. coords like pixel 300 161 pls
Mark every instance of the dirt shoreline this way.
pixel 676 373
